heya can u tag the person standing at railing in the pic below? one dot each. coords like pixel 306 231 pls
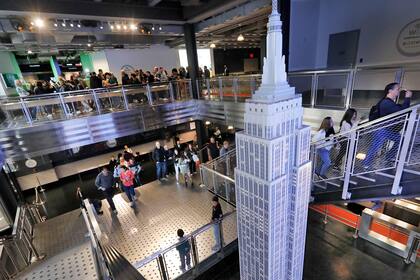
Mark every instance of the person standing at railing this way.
pixel 206 73
pixel 158 156
pixel 184 250
pixel 347 123
pixel 169 160
pixel 105 183
pixel 386 106
pixel 216 217
pixel 192 156
pixel 324 151
pixel 127 179
pixel 212 149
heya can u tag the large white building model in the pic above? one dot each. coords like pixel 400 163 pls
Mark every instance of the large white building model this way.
pixel 273 173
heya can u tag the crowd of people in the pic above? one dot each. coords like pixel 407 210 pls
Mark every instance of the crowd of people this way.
pixel 386 106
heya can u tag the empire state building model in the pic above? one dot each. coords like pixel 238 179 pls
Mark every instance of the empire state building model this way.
pixel 273 173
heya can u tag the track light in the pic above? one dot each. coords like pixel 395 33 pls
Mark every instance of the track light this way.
pixel 133 26
pixel 118 26
pixel 101 27
pixel 71 24
pixel 30 52
pixel 212 45
pixel 79 25
pixel 153 28
pixel 240 38
pixel 112 27
pixel 89 45
pixel 125 27
pixel 38 23
pixel 160 28
pixel 63 24
pixel 55 24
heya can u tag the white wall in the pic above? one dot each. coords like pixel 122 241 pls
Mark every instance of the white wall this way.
pixel 99 61
pixel 146 59
pixel 379 21
pixel 5 63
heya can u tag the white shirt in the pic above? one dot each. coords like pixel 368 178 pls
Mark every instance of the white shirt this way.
pixel 320 135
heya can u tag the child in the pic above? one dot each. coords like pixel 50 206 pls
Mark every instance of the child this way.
pixel 324 151
pixel 127 180
pixel 184 251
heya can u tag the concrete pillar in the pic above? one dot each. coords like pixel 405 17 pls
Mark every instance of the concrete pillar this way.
pixel 191 47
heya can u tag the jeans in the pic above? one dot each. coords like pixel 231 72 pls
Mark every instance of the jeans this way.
pixel 216 233
pixel 160 170
pixel 176 172
pixel 185 259
pixel 379 139
pixel 324 154
pixel 109 193
pixel 129 191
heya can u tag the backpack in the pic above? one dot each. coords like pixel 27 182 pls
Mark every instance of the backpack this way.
pixel 374 111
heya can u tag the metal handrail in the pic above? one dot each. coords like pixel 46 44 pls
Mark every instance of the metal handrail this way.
pixel 231 151
pixel 139 264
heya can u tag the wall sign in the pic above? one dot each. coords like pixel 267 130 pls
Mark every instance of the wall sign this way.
pixel 408 41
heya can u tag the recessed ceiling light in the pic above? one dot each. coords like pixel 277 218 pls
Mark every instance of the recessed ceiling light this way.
pixel 133 26
pixel 38 22
pixel 125 27
pixel 160 28
pixel 89 45
pixel 101 27
pixel 55 24
pixel 118 26
pixel 79 25
pixel 112 27
pixel 63 24
pixel 30 52
pixel 71 25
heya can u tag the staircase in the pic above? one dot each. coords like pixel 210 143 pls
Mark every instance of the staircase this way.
pixel 374 161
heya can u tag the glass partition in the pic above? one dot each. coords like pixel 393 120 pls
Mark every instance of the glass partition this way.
pixel 206 243
pixel 411 81
pixel 151 270
pixel 303 85
pixel 110 99
pixel 245 89
pixel 136 96
pixel 331 90
pixel 160 93
pixel 79 103
pixel 369 87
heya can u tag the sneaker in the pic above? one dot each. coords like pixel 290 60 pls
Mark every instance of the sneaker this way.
pixel 132 204
pixel 100 213
pixel 115 211
pixel 164 179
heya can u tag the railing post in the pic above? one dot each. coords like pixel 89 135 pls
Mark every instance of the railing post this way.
pixel 95 98
pixel 162 268
pixel 208 87
pixel 214 182
pixel 314 85
pixel 25 111
pixel 221 234
pixel 194 251
pixel 149 95
pixel 227 190
pixel 220 88
pixel 349 88
pixel 235 89
pixel 66 112
pixel 405 147
pixel 171 91
pixel 197 84
pixel 125 98
pixel 349 164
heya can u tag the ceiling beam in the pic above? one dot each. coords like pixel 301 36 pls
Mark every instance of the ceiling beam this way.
pixel 91 10
pixel 195 14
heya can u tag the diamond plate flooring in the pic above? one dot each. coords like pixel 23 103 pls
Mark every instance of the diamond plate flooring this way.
pixel 68 254
pixel 160 210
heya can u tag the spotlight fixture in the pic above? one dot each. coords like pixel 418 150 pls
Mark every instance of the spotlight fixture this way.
pixel 89 45
pixel 29 52
pixel 38 23
pixel 55 24
pixel 101 27
pixel 63 24
pixel 212 45
pixel 71 24
pixel 79 25
pixel 32 23
pixel 118 26
pixel 133 26
pixel 160 28
pixel 240 38
pixel 153 28
pixel 112 27
pixel 125 27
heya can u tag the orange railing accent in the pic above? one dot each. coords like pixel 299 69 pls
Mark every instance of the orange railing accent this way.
pixel 352 220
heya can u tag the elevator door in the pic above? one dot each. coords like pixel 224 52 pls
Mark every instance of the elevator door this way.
pixel 342 49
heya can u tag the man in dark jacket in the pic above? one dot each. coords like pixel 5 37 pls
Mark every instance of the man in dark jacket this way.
pixel 95 81
pixel 216 217
pixel 390 133
pixel 158 156
pixel 105 183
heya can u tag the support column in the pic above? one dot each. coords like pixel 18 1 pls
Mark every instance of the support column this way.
pixel 55 67
pixel 263 50
pixel 191 46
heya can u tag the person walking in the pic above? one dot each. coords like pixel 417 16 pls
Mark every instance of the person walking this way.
pixel 127 180
pixel 169 160
pixel 216 217
pixel 136 168
pixel 184 167
pixel 324 151
pixel 212 149
pixel 225 148
pixel 386 106
pixel 192 155
pixel 184 249
pixel 158 156
pixel 347 123
pixel 177 158
pixel 105 183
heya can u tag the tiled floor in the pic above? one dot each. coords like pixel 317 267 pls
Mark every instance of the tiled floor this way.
pixel 162 209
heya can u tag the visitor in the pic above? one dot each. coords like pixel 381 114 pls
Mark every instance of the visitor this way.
pixel 137 158
pixel 183 249
pixel 225 70
pixel 105 183
pixel 112 80
pixel 136 168
pixel 184 168
pixel 95 81
pixel 19 89
pixel 324 151
pixel 206 73
pixel 386 106
pixel 216 218
pixel 158 156
pixel 101 75
pixel 112 163
pixel 346 124
pixel 212 149
pixel 177 158
pixel 125 79
pixel 169 156
pixel 192 156
pixel 127 180
pixel 218 135
pixel 225 148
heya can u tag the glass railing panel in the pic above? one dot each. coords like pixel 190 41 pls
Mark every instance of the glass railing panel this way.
pixel 220 186
pixel 229 89
pixel 150 270
pixel 206 242
pixel 411 82
pixel 203 92
pixel 160 93
pixel 369 87
pixel 11 112
pixel 229 229
pixel 230 192
pixel 45 108
pixel 303 85
pixel 245 89
pixel 178 260
pixel 331 90
pixel 79 103
pixel 214 89
pixel 136 96
pixel 110 99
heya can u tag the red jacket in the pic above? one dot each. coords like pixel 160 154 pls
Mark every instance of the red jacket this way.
pixel 127 178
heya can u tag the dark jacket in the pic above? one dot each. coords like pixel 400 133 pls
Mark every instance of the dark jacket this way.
pixel 95 82
pixel 387 106
pixel 103 181
pixel 217 213
pixel 158 155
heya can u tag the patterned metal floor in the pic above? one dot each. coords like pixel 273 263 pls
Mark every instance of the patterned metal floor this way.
pixel 162 209
pixel 68 254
